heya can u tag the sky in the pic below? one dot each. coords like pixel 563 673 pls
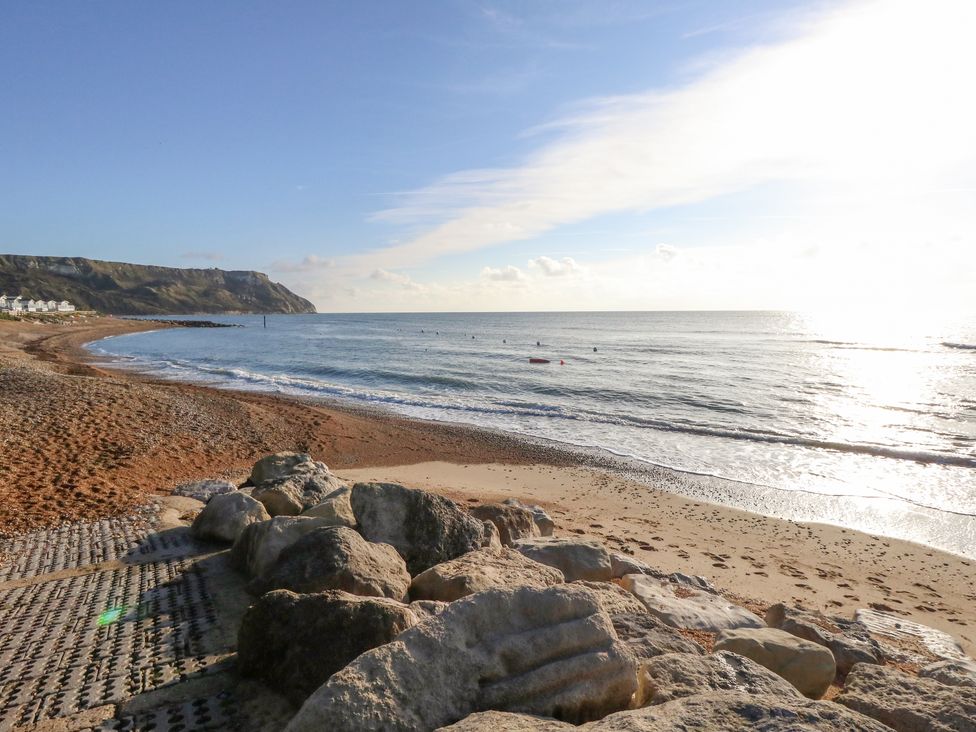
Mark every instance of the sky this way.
pixel 484 155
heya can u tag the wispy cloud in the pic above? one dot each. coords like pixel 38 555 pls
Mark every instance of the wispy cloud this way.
pixel 841 108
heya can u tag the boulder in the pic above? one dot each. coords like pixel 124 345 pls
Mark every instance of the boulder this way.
pixel 226 516
pixel 425 528
pixel 850 643
pixel 682 607
pixel 204 490
pixel 908 703
pixel 732 711
pixel 296 642
pixel 551 652
pixel 621 565
pixel 299 491
pixel 906 635
pixel 424 609
pixel 953 673
pixel 506 722
pixel 809 666
pixel 577 559
pixel 612 598
pixel 337 558
pixel 647 637
pixel 674 675
pixel 280 465
pixel 336 506
pixel 542 519
pixel 258 546
pixel 513 522
pixel 480 570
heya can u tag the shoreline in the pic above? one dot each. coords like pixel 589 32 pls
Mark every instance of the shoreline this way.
pixel 130 436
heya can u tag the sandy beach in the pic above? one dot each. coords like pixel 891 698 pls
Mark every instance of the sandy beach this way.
pixel 88 442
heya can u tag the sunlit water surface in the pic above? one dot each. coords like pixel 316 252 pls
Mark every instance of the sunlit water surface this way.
pixel 879 412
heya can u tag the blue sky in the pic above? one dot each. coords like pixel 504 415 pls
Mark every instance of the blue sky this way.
pixel 489 155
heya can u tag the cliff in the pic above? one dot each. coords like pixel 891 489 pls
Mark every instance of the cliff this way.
pixel 137 289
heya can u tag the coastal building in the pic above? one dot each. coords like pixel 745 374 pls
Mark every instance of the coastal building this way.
pixel 19 305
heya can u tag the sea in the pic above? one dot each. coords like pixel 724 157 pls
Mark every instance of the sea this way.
pixel 865 421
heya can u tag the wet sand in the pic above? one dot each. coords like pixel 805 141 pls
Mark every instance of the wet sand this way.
pixel 88 442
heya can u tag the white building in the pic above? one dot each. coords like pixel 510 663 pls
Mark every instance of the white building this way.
pixel 19 305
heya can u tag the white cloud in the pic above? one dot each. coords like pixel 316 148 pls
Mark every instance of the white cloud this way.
pixel 509 273
pixel 841 109
pixel 666 252
pixel 556 268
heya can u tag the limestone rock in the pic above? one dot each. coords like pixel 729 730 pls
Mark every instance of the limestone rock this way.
pixel 513 522
pixel 280 465
pixel 542 519
pixel 204 490
pixel 296 642
pixel 622 565
pixel 696 609
pixel 850 643
pixel 674 675
pixel 577 559
pixel 480 570
pixel 809 666
pixel 299 491
pixel 337 558
pixel 614 599
pixel 258 546
pixel 953 673
pixel 550 652
pixel 899 630
pixel 506 722
pixel 424 609
pixel 336 506
pixel 908 703
pixel 647 637
pixel 226 516
pixel 426 529
pixel 735 711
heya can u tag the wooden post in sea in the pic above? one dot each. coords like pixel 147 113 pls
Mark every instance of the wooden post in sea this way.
pixel 265 321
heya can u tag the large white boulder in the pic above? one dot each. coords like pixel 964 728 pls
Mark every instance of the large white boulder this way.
pixel 480 570
pixel 550 652
pixel 682 607
pixel 258 546
pixel 226 516
pixel 576 558
pixel 337 558
pixel 425 528
pixel 809 666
